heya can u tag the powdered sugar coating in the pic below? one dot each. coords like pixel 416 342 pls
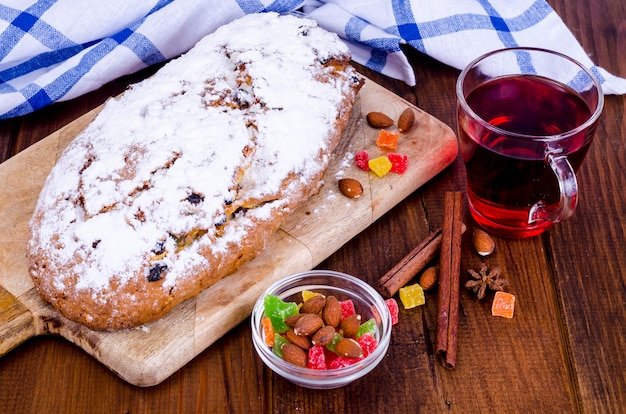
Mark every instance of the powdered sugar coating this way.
pixel 181 172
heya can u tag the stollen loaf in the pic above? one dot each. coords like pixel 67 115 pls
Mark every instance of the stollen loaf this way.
pixel 187 174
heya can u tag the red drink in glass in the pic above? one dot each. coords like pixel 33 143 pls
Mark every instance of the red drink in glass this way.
pixel 513 122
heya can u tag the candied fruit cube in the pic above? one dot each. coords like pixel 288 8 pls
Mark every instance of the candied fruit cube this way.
pixel 503 304
pixel 277 310
pixel 268 331
pixel 399 162
pixel 412 296
pixel 317 358
pixel 380 165
pixel 387 139
pixel 330 356
pixel 347 308
pixel 342 362
pixel 368 344
pixel 394 310
pixel 308 294
pixel 279 341
pixel 367 327
pixel 362 159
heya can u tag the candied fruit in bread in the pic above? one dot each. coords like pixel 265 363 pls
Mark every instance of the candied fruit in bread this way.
pixel 186 176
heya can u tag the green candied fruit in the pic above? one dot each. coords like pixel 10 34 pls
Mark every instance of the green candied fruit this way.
pixel 331 345
pixel 278 310
pixel 279 341
pixel 369 327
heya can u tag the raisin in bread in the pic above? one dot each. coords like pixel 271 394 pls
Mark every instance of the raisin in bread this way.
pixel 185 177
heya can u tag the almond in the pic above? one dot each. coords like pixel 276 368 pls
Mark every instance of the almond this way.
pixel 350 187
pixel 378 120
pixel 483 243
pixel 308 324
pixel 406 120
pixel 350 325
pixel 323 336
pixel 302 341
pixel 428 279
pixel 294 354
pixel 332 312
pixel 348 347
pixel 290 321
pixel 314 304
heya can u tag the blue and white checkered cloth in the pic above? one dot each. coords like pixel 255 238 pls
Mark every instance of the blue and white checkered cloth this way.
pixel 55 50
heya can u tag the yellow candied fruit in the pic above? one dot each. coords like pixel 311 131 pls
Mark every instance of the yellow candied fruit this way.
pixel 307 294
pixel 380 165
pixel 412 296
pixel 503 304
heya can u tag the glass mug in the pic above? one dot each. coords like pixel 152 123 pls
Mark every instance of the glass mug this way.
pixel 526 119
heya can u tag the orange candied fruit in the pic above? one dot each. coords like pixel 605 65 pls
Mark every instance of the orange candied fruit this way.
pixel 503 304
pixel 387 140
pixel 268 331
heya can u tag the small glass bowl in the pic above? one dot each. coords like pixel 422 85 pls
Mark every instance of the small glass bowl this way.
pixel 367 302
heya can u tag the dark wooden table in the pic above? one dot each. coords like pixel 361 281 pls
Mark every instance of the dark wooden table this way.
pixel 564 350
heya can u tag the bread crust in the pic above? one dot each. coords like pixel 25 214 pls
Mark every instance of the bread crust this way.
pixel 187 175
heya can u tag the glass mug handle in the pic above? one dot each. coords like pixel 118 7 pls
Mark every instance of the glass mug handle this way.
pixel 568 187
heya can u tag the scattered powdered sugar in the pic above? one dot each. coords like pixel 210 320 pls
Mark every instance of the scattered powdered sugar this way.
pixel 219 129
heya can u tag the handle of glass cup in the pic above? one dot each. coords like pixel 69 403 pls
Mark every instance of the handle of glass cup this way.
pixel 568 187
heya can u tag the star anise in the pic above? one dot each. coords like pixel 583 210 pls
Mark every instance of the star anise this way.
pixel 482 280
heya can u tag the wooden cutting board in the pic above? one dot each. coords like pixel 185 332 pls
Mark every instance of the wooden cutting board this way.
pixel 146 356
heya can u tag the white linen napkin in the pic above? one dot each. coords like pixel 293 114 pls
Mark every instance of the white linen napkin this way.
pixel 56 50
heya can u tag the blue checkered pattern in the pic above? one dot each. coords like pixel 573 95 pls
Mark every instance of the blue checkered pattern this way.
pixel 54 50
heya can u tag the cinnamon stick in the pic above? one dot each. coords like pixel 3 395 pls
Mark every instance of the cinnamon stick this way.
pixel 449 274
pixel 411 264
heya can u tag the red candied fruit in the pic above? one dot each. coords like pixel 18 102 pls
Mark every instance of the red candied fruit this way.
pixel 362 160
pixel 399 162
pixel 347 308
pixel 342 362
pixel 368 344
pixel 394 310
pixel 317 358
pixel 329 356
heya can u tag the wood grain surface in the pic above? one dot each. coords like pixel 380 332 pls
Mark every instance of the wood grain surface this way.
pixel 148 355
pixel 563 351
